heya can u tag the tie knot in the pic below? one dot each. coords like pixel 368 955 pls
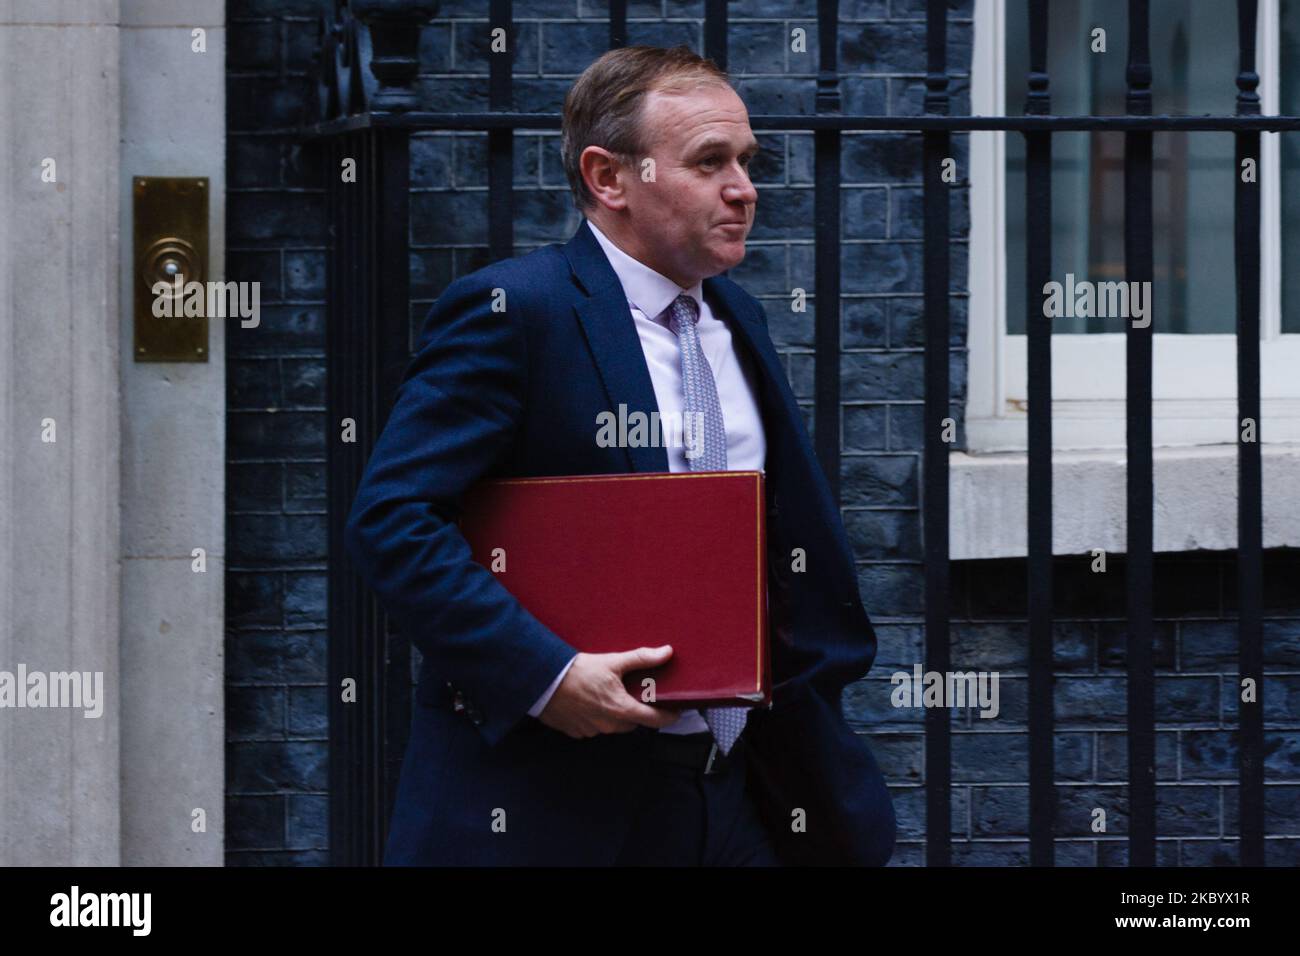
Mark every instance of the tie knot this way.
pixel 684 309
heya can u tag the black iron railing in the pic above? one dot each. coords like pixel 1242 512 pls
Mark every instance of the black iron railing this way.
pixel 370 117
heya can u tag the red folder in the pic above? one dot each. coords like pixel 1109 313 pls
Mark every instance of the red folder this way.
pixel 615 562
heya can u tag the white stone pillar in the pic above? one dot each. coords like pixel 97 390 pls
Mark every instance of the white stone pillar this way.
pixel 59 519
pixel 173 461
pixel 98 526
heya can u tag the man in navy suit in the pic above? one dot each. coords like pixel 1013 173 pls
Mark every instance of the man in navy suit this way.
pixel 524 751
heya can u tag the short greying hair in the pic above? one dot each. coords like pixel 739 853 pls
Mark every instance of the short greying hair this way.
pixel 604 106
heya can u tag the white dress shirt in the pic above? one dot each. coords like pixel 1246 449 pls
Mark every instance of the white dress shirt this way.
pixel 649 295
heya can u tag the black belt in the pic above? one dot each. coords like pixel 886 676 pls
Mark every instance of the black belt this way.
pixel 697 751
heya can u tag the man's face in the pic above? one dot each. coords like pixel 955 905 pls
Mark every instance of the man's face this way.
pixel 692 220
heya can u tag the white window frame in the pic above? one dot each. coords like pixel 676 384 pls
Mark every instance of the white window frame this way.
pixel 1194 378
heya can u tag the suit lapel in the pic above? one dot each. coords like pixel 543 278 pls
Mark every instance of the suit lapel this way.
pixel 616 349
pixel 789 451
pixel 782 412
pixel 615 346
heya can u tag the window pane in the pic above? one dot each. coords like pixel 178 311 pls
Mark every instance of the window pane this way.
pixel 1194 69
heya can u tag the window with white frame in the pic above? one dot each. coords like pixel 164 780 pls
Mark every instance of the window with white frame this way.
pixel 1194 67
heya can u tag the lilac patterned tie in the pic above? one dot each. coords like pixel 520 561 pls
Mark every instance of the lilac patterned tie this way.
pixel 701 394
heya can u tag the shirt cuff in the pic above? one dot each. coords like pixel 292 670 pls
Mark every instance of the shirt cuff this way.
pixel 542 701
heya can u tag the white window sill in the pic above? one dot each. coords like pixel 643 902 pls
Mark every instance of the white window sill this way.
pixel 1195 500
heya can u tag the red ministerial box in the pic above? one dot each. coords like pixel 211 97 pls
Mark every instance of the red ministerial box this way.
pixel 615 562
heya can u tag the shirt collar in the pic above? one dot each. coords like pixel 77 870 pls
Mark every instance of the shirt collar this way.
pixel 645 289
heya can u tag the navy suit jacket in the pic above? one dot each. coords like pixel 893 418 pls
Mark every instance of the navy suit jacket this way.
pixel 516 392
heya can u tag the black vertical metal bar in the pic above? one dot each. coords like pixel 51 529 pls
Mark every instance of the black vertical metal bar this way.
pixel 368 303
pixel 358 408
pixel 335 466
pixel 715 31
pixel 826 252
pixel 936 148
pixel 617 24
pixel 1250 531
pixel 355 407
pixel 390 263
pixel 362 387
pixel 369 704
pixel 1138 260
pixel 501 142
pixel 351 606
pixel 366 336
pixel 1038 329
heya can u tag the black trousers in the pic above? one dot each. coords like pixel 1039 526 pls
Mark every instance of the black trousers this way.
pixel 687 817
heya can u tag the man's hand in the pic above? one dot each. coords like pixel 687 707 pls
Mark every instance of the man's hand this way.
pixel 592 700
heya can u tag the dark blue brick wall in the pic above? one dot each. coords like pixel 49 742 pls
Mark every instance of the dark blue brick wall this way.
pixel 276 729
pixel 277 796
pixel 1196 767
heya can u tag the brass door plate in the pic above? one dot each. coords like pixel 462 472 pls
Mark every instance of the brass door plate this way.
pixel 171 242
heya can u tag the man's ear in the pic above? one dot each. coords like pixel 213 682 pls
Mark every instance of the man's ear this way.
pixel 600 171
